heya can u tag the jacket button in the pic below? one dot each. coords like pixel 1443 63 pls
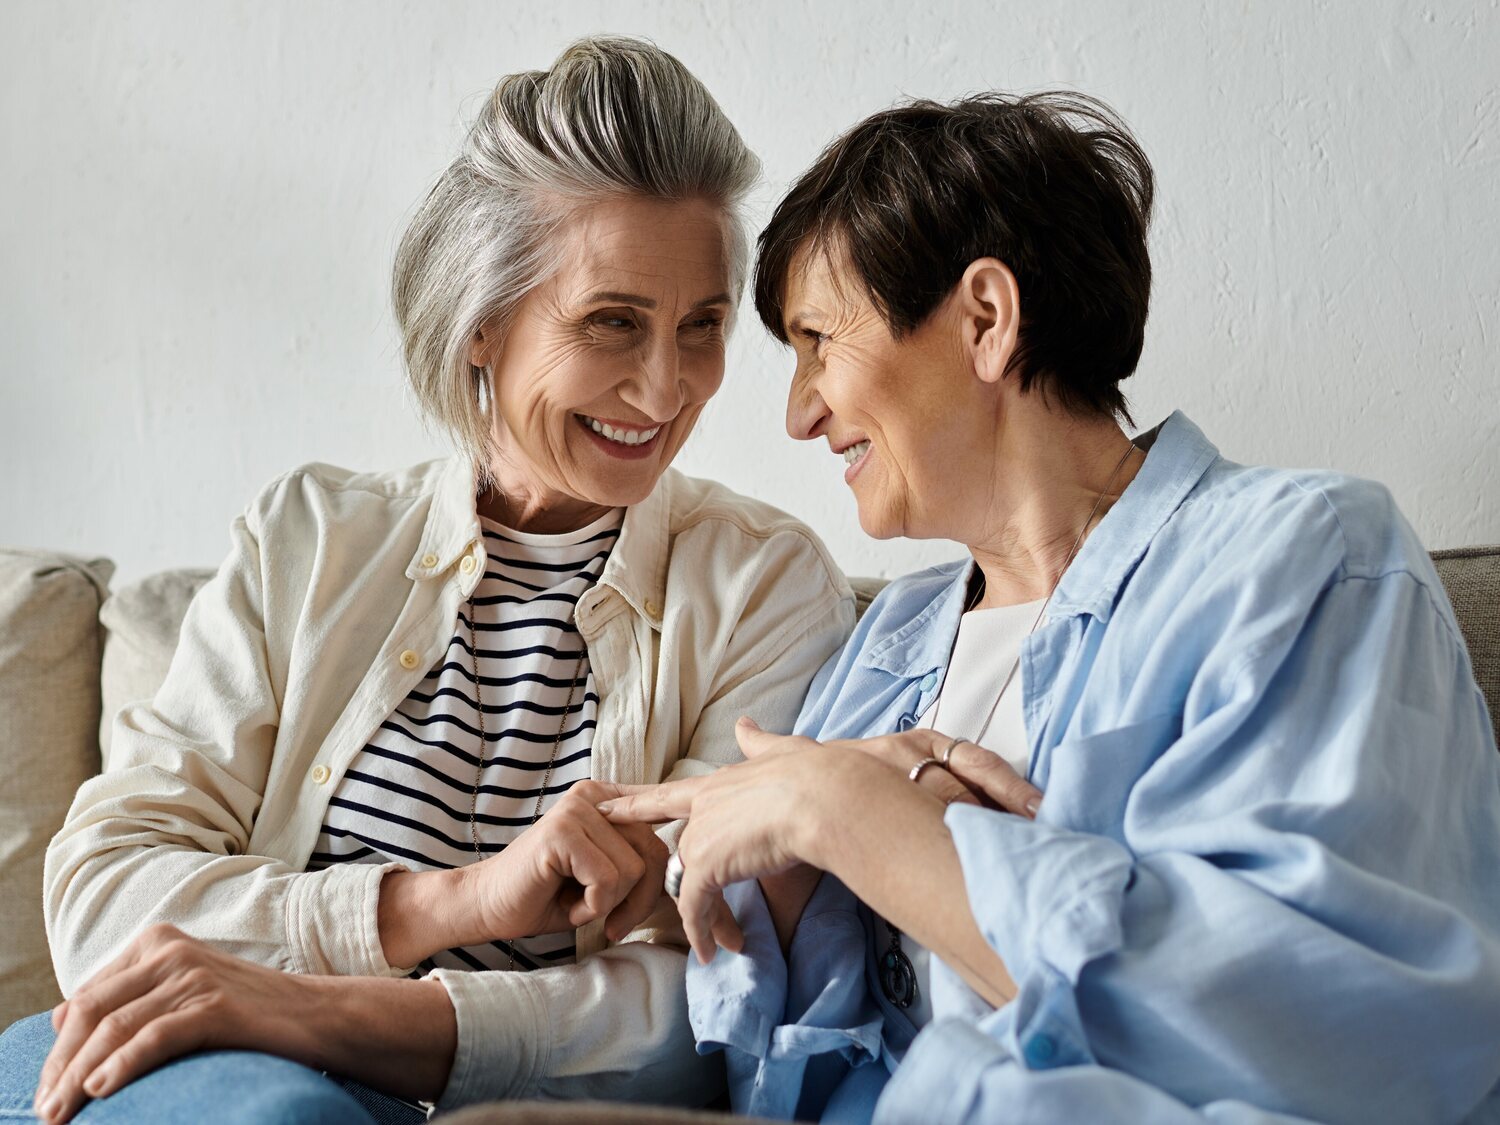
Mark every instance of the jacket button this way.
pixel 929 681
pixel 429 561
pixel 409 659
pixel 1040 1050
pixel 653 609
pixel 468 565
pixel 321 774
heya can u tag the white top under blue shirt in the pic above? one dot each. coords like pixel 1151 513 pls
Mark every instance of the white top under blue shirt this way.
pixel 1264 885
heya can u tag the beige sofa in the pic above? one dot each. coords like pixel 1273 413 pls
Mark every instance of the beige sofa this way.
pixel 72 652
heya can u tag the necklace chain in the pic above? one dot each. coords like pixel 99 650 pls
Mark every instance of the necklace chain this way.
pixel 1041 613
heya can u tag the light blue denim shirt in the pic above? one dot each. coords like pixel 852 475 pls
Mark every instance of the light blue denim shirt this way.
pixel 1265 881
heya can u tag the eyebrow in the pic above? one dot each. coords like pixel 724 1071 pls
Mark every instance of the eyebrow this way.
pixel 638 301
pixel 796 322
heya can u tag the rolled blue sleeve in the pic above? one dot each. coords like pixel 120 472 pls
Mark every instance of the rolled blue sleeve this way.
pixel 792 1028
pixel 1284 928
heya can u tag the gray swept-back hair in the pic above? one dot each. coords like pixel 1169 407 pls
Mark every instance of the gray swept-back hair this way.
pixel 614 116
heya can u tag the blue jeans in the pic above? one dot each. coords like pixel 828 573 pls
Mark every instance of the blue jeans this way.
pixel 226 1087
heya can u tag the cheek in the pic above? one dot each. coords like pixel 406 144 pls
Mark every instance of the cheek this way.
pixel 560 380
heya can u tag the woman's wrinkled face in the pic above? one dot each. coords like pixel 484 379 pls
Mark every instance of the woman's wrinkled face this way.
pixel 604 368
pixel 905 416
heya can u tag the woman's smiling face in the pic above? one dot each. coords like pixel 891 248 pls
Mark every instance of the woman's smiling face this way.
pixel 603 369
pixel 903 413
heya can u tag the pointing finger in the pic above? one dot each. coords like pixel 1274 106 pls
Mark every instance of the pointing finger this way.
pixel 652 804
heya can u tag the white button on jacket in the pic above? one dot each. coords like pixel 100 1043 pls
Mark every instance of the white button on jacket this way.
pixel 308 638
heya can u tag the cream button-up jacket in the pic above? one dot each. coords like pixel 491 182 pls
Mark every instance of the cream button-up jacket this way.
pixel 340 592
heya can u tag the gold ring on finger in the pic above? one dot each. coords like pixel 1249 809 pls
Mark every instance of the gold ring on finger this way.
pixel 942 759
pixel 916 770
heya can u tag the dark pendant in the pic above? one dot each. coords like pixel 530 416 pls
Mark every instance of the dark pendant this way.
pixel 898 980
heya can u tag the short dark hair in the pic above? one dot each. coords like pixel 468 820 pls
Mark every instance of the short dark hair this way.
pixel 1052 184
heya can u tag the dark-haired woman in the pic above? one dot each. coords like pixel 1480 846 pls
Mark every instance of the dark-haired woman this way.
pixel 1175 800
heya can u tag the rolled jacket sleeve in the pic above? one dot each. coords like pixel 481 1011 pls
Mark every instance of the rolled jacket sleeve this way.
pixel 1286 924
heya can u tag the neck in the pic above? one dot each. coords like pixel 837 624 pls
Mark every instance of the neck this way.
pixel 1053 481
pixel 516 499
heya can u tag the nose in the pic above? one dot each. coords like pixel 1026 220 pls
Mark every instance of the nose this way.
pixel 659 389
pixel 807 415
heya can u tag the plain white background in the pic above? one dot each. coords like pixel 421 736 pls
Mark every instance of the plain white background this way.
pixel 199 204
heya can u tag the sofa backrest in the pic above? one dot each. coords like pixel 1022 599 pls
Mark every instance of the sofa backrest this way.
pixel 1471 576
pixel 49 719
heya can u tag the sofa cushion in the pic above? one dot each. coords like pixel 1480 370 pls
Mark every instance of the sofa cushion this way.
pixel 1472 578
pixel 49 720
pixel 142 622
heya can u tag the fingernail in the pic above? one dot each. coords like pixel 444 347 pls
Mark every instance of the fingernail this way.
pixel 747 721
pixel 1032 807
pixel 606 807
pixel 50 1106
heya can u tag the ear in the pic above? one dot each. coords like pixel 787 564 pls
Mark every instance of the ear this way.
pixel 990 316
pixel 481 348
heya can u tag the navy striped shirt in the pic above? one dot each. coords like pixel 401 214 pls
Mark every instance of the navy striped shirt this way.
pixel 406 796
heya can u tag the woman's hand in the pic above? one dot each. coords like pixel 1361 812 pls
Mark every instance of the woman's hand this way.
pixel 169 995
pixel 971 774
pixel 766 817
pixel 568 869
pixel 743 823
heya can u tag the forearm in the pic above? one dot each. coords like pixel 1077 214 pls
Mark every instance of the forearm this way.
pixel 398 1036
pixel 98 897
pixel 899 858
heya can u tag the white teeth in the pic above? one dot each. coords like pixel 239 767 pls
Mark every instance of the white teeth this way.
pixel 855 452
pixel 622 436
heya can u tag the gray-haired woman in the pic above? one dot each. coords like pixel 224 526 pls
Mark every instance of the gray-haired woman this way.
pixel 366 790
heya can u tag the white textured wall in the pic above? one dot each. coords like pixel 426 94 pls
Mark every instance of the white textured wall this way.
pixel 199 202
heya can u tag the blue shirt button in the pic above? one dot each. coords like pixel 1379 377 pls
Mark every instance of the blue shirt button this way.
pixel 1040 1049
pixel 929 681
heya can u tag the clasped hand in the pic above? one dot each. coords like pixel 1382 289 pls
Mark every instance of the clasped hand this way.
pixel 791 805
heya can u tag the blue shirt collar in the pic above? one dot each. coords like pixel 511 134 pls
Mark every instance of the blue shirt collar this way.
pixel 1177 457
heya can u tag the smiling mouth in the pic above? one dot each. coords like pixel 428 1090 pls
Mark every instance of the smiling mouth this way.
pixel 619 434
pixel 855 459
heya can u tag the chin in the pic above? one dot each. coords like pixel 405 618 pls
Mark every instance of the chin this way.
pixel 622 490
pixel 879 525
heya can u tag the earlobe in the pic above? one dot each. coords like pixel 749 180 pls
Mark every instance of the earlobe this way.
pixel 992 316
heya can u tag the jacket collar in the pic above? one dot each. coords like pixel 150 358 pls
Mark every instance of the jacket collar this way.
pixel 1177 457
pixel 637 566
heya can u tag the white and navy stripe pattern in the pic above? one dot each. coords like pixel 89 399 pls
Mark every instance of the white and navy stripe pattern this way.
pixel 406 795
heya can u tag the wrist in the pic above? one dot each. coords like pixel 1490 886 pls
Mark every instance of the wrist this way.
pixel 396 1036
pixel 420 913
